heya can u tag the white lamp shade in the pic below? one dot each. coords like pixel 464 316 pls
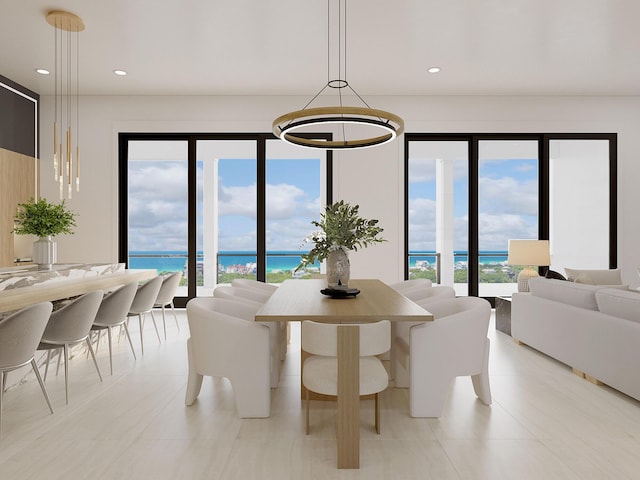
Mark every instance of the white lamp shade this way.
pixel 529 252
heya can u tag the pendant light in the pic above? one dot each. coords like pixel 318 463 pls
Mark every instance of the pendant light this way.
pixel 388 125
pixel 66 99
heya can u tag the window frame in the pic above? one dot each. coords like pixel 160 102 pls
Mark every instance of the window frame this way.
pixel 544 139
pixel 192 138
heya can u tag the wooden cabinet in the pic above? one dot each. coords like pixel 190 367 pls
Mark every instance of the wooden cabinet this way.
pixel 18 162
pixel 17 185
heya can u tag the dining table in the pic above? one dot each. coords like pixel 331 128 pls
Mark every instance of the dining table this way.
pixel 300 299
pixel 25 287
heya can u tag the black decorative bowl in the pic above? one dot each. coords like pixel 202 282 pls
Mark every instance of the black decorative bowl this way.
pixel 340 293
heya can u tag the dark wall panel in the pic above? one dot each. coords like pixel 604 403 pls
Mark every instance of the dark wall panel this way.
pixel 6 118
pixel 18 116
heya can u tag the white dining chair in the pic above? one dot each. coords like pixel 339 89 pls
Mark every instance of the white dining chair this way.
pixel 400 330
pixel 68 326
pixel 268 289
pixel 254 295
pixel 167 292
pixel 276 334
pixel 143 303
pixel 411 284
pixel 223 344
pixel 320 370
pixel 454 344
pixel 20 334
pixel 113 313
pixel 254 284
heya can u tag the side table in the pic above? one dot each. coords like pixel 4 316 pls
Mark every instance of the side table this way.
pixel 503 314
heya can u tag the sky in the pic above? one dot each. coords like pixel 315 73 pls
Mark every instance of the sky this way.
pixel 158 203
pixel 508 203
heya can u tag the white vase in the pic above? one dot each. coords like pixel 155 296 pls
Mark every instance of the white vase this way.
pixel 45 252
pixel 338 269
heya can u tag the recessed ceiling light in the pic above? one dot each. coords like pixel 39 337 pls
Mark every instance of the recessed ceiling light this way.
pixel 434 70
pixel 122 73
pixel 42 71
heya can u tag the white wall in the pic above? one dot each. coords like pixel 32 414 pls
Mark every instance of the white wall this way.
pixel 371 177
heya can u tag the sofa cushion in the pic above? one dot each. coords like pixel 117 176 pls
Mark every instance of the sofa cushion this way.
pixel 576 294
pixel 619 303
pixel 594 277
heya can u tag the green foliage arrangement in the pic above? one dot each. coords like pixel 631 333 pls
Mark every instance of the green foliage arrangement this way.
pixel 340 228
pixel 42 218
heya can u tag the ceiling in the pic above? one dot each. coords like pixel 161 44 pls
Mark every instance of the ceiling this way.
pixel 268 47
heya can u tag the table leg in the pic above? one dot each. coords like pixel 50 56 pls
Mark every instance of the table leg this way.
pixel 348 396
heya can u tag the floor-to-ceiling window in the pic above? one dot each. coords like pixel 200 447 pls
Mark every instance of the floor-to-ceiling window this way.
pixel 438 211
pixel 158 204
pixel 508 208
pixel 218 207
pixel 560 187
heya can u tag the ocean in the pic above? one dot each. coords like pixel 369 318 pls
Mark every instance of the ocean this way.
pixel 174 261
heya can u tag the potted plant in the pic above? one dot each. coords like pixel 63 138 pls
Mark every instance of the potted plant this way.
pixel 44 220
pixel 341 230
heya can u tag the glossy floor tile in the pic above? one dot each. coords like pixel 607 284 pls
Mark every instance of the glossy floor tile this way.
pixel 544 423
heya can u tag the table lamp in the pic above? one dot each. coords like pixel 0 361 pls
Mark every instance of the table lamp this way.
pixel 530 253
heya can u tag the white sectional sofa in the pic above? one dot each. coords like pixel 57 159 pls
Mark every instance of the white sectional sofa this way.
pixel 595 329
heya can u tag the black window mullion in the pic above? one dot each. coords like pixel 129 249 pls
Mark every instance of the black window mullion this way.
pixel 261 211
pixel 407 140
pixel 543 193
pixel 123 199
pixel 472 248
pixel 613 202
pixel 192 247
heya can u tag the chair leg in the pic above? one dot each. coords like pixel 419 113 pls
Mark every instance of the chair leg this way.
pixel 307 414
pixel 164 323
pixel 91 334
pixel 126 331
pixel 58 364
pixel 153 318
pixel 194 380
pixel 66 373
pixel 481 381
pixel 46 367
pixel 141 341
pixel 428 401
pixel 377 400
pixel 110 350
pixel 174 315
pixel 93 355
pixel 44 390
pixel 1 396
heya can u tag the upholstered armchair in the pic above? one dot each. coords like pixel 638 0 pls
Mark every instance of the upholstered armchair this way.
pixel 254 284
pixel 454 344
pixel 406 285
pixel 223 344
pixel 401 331
pixel 256 299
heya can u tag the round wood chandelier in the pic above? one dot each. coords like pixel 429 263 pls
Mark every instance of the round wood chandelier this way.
pixel 387 126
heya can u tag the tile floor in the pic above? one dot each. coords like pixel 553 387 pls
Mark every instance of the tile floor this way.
pixel 545 423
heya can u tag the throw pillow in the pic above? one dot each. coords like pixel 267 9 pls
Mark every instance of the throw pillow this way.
pixel 555 275
pixel 585 279
pixel 596 276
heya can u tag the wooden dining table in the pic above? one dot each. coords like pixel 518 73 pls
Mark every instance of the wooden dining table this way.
pixel 298 300
pixel 16 298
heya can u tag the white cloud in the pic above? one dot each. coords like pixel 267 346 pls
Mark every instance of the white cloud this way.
pixel 237 201
pixel 422 170
pixel 284 201
pixel 508 196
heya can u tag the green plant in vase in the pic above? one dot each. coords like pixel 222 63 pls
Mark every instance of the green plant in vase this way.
pixel 341 229
pixel 45 220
